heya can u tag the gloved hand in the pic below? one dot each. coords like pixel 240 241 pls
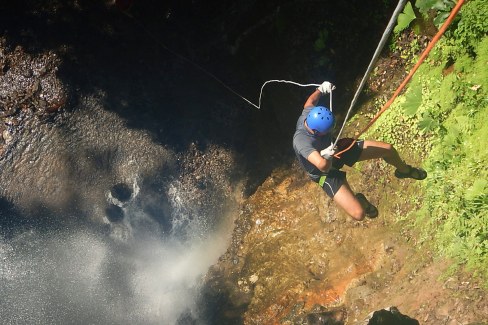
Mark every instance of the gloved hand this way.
pixel 326 87
pixel 329 152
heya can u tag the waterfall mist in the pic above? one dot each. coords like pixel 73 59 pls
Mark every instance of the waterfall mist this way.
pixel 82 276
pixel 107 226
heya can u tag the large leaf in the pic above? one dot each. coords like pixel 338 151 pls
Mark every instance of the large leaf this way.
pixel 440 18
pixel 428 123
pixel 444 5
pixel 425 5
pixel 405 18
pixel 413 99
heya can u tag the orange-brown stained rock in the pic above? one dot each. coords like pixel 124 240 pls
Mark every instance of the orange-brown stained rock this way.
pixel 300 254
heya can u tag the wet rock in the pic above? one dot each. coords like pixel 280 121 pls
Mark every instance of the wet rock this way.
pixel 114 213
pixel 8 112
pixel 360 292
pixel 7 137
pixel 388 247
pixel 334 317
pixel 4 67
pixel 253 278
pixel 121 192
pixel 29 84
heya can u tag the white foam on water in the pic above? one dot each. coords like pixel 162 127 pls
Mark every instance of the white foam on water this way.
pixel 81 277
pixel 167 279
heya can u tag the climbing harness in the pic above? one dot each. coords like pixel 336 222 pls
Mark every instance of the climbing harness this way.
pixel 322 180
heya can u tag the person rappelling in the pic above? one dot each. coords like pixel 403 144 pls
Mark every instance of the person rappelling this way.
pixel 313 143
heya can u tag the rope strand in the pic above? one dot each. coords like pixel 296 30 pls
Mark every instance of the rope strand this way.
pixel 423 56
pixel 223 84
pixel 377 53
pixel 285 81
pixel 379 48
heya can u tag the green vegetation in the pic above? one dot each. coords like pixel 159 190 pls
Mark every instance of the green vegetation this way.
pixel 441 119
pixel 438 9
pixel 405 18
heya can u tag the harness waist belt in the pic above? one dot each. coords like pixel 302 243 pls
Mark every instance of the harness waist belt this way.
pixel 322 180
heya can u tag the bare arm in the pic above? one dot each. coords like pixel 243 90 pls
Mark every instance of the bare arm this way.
pixel 313 99
pixel 322 164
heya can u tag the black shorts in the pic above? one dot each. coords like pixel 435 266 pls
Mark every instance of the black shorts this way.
pixel 335 177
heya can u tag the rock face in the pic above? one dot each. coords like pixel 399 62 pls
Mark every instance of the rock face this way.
pixel 29 89
pixel 144 124
pixel 293 254
pixel 296 259
pixel 80 131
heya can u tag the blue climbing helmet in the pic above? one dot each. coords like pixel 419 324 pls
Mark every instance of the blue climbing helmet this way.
pixel 320 119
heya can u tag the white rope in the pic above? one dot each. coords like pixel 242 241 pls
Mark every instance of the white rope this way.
pixel 330 99
pixel 223 84
pixel 269 81
pixel 384 38
pixel 377 53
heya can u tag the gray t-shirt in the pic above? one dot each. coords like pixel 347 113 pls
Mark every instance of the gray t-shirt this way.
pixel 305 143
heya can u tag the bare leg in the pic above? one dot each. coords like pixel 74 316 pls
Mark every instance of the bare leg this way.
pixel 346 199
pixel 377 149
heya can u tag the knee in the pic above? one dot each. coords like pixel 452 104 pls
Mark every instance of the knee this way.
pixel 389 148
pixel 358 214
pixel 389 151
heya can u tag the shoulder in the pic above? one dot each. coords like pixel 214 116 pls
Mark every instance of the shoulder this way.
pixel 302 117
pixel 302 142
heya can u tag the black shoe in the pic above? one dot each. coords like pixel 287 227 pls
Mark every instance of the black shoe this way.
pixel 369 209
pixel 413 172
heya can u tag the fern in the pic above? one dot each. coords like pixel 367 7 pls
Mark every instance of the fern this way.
pixel 445 116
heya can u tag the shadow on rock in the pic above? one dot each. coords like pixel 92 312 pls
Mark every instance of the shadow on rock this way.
pixel 389 316
pixel 114 213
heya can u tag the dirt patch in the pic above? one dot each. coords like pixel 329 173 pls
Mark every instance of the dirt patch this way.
pixel 395 63
pixel 295 254
pixel 296 258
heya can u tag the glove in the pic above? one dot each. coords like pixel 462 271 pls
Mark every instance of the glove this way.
pixel 326 87
pixel 329 152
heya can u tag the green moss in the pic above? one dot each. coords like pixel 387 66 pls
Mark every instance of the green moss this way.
pixel 441 119
pixel 480 71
